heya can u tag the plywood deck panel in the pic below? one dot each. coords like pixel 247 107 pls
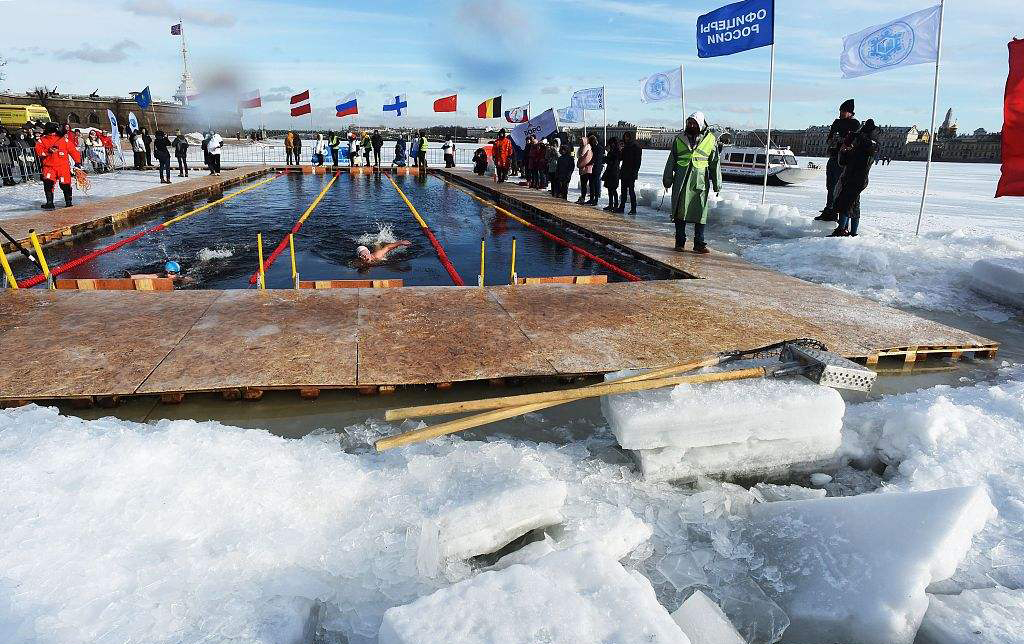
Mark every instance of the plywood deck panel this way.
pixel 90 343
pixel 66 222
pixel 266 339
pixel 441 334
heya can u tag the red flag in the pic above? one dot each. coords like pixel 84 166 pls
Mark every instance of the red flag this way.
pixel 1011 184
pixel 250 100
pixel 300 97
pixel 302 109
pixel 447 104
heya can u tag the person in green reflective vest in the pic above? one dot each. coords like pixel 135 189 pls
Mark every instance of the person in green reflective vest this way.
pixel 692 171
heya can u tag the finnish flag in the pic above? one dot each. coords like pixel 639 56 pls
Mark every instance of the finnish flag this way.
pixel 909 40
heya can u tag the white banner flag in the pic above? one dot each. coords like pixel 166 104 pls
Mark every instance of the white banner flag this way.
pixel 133 122
pixel 570 115
pixel 909 40
pixel 662 86
pixel 589 99
pixel 539 126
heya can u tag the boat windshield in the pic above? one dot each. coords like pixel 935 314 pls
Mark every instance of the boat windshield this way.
pixel 783 159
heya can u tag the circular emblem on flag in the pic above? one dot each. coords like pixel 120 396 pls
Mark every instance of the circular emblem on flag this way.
pixel 887 46
pixel 658 87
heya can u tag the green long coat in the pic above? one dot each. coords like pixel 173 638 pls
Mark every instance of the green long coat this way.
pixel 690 189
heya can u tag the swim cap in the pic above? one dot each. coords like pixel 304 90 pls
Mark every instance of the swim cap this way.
pixel 172 267
pixel 363 251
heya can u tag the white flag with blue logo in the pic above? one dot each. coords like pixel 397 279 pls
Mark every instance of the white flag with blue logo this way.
pixel 662 86
pixel 909 40
pixel 588 99
pixel 570 115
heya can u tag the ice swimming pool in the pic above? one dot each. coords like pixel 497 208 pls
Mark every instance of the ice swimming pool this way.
pixel 217 248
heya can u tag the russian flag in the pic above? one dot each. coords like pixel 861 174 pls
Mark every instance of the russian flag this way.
pixel 348 106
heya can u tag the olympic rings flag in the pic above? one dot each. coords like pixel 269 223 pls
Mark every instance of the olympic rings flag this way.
pixel 909 40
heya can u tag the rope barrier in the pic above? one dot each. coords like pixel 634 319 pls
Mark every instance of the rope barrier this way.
pixel 456 278
pixel 295 229
pixel 88 257
pixel 571 246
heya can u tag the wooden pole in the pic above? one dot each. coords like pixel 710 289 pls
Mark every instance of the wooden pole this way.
pixel 564 395
pixel 541 400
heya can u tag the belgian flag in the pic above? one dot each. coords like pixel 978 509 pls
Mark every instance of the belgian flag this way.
pixel 489 109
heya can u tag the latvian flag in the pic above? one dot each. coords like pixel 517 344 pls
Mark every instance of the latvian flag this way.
pixel 176 29
pixel 347 106
pixel 250 100
pixel 489 109
pixel 301 97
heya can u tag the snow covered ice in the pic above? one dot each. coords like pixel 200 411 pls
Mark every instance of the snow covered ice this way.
pixel 982 616
pixel 571 596
pixel 745 428
pixel 1002 280
pixel 703 622
pixel 855 569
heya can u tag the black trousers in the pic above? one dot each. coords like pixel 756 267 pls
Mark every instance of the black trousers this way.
pixel 140 160
pixel 698 234
pixel 627 189
pixel 376 157
pixel 595 183
pixel 215 163
pixel 164 167
pixel 48 191
pixel 334 157
pixel 182 166
pixel 832 173
pixel 290 156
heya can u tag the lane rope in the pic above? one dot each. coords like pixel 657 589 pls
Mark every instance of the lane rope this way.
pixel 295 229
pixel 571 246
pixel 456 278
pixel 88 257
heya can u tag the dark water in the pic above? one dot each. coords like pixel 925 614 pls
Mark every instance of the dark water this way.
pixel 217 248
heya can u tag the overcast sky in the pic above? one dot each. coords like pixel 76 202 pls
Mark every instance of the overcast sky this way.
pixel 526 50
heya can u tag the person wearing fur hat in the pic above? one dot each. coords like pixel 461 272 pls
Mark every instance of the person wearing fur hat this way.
pixel 55 154
pixel 841 128
pixel 692 171
pixel 856 156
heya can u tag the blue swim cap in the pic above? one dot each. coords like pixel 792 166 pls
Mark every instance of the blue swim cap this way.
pixel 172 267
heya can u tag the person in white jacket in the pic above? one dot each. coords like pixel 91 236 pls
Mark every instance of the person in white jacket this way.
pixel 319 148
pixel 139 150
pixel 213 148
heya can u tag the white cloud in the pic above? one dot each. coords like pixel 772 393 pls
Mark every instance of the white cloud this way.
pixel 174 12
pixel 116 53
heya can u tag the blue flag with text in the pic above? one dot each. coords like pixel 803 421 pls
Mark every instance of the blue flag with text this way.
pixel 736 27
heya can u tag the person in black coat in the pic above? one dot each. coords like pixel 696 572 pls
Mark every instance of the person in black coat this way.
pixel 147 140
pixel 631 157
pixel 480 161
pixel 181 153
pixel 597 147
pixel 162 150
pixel 841 128
pixel 856 156
pixel 611 174
pixel 563 173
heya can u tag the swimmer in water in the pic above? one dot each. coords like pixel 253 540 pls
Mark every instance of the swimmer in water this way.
pixel 377 256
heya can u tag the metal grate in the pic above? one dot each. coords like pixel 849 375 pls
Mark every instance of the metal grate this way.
pixel 830 369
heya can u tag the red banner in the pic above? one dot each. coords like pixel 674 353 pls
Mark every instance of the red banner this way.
pixel 447 104
pixel 1011 184
pixel 302 109
pixel 300 97
pixel 250 100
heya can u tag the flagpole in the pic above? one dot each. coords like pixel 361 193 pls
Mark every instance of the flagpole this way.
pixel 682 94
pixel 604 104
pixel 931 138
pixel 768 138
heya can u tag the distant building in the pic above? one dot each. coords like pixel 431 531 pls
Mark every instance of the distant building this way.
pixel 893 138
pixel 91 111
pixel 948 128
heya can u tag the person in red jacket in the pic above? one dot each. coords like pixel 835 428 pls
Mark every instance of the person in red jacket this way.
pixel 502 156
pixel 54 152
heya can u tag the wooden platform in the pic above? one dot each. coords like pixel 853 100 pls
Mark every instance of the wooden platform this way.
pixel 62 223
pixel 85 343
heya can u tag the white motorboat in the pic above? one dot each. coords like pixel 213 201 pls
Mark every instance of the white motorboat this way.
pixel 746 164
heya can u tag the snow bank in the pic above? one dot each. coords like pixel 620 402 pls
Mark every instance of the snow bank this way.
pixel 983 616
pixel 855 569
pixel 743 428
pixel 1002 280
pixel 572 596
pixel 183 531
pixel 704 622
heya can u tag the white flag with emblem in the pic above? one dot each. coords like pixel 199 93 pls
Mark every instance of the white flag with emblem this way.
pixel 588 99
pixel 909 40
pixel 662 86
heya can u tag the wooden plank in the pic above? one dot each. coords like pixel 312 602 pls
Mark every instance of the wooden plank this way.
pixel 117 284
pixel 270 339
pixel 90 343
pixel 564 279
pixel 419 335
pixel 390 283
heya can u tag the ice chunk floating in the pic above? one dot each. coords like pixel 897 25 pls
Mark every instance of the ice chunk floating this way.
pixel 743 428
pixel 570 596
pixel 855 569
pixel 704 622
pixel 982 616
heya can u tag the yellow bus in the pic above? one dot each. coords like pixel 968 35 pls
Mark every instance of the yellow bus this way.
pixel 18 115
